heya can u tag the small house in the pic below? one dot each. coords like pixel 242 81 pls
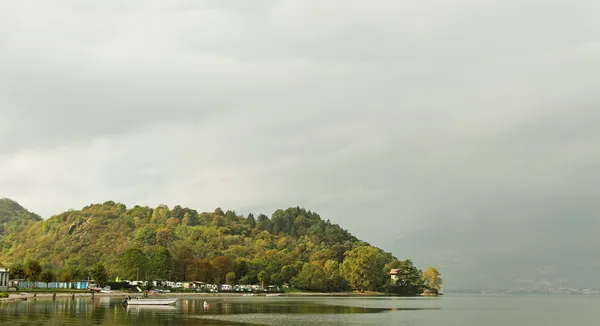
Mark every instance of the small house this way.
pixel 3 279
pixel 394 274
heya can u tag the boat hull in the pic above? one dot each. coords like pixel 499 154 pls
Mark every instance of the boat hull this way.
pixel 151 302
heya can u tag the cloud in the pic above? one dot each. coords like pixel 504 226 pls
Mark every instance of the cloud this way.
pixel 387 117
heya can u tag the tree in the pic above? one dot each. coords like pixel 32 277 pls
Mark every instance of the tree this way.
pixel 189 219
pixel 408 280
pixel 230 278
pixel 288 272
pixel 145 235
pixel 251 221
pixel 263 223
pixel 335 281
pixel 32 270
pixel 164 236
pixel 131 262
pixel 311 278
pixel 221 267
pixel 244 280
pixel 363 267
pixel 47 276
pixel 161 214
pixel 431 278
pixel 262 278
pixel 177 212
pixel 161 262
pixel 17 271
pixel 276 279
pixel 65 276
pixel 99 274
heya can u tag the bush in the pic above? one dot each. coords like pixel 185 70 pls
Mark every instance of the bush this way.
pixel 3 295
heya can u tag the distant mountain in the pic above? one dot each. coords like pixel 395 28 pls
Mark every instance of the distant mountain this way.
pixel 470 259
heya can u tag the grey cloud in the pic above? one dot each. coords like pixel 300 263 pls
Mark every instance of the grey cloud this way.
pixel 390 118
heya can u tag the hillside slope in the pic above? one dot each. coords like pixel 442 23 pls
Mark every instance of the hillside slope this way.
pixel 294 245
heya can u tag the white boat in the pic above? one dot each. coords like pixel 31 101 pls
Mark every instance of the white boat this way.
pixel 153 302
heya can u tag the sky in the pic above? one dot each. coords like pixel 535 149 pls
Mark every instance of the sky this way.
pixel 472 123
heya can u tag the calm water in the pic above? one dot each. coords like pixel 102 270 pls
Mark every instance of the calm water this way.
pixel 448 310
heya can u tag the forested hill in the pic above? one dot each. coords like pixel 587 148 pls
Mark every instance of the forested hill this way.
pixel 13 217
pixel 292 246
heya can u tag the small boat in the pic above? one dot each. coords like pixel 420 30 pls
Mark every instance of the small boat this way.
pixel 153 302
pixel 106 289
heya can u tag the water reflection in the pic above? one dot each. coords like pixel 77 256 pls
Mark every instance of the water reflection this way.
pixel 188 311
pixel 224 306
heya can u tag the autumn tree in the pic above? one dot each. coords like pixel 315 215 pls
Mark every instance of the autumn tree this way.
pixel 431 278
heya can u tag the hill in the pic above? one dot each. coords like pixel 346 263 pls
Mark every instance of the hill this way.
pixel 14 219
pixel 292 246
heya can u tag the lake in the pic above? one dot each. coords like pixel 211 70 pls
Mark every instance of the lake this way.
pixel 490 310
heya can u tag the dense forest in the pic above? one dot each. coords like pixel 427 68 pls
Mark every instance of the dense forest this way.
pixel 293 246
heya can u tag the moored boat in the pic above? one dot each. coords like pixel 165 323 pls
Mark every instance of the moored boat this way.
pixel 153 302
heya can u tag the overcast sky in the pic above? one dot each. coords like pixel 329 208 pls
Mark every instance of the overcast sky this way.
pixel 387 117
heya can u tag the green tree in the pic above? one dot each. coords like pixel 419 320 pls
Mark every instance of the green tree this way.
pixel 363 266
pixel 335 281
pixel 32 270
pixel 408 279
pixel 244 280
pixel 17 271
pixel 262 278
pixel 312 278
pixel 47 276
pixel 131 262
pixel 99 274
pixel 145 235
pixel 263 223
pixel 161 262
pixel 431 278
pixel 189 219
pixel 161 214
pixel 276 279
pixel 65 276
pixel 288 272
pixel 230 278
pixel 251 221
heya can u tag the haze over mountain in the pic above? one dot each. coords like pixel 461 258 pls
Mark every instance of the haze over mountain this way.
pixel 459 131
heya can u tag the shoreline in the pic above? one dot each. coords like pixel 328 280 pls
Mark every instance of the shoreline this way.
pixel 27 296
